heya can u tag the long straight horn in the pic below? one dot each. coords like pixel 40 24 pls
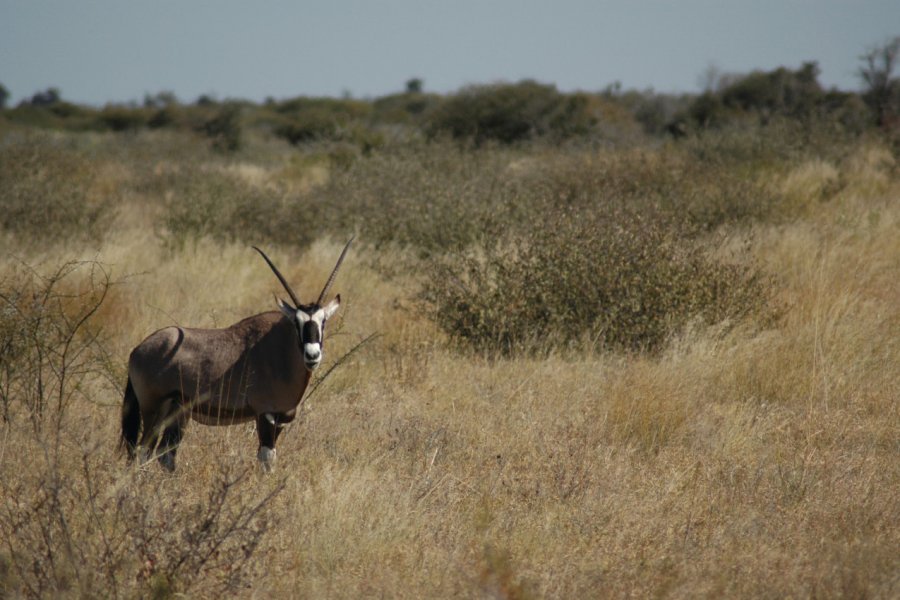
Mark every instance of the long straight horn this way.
pixel 280 278
pixel 334 272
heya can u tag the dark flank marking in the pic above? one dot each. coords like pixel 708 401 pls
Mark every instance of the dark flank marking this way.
pixel 223 415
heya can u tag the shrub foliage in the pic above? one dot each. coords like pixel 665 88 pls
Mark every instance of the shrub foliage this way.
pixel 222 206
pixel 614 279
pixel 511 113
pixel 47 193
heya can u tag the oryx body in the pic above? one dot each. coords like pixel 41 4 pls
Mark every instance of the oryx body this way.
pixel 257 369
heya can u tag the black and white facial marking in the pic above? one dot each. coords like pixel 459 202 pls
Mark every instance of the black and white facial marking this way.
pixel 310 323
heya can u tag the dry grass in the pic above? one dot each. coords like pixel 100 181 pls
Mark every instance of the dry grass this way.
pixel 740 462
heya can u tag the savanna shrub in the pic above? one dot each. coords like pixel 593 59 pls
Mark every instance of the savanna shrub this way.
pixel 782 96
pixel 706 193
pixel 432 197
pixel 46 195
pixel 781 91
pixel 167 116
pixel 511 113
pixel 224 128
pixel 219 205
pixel 436 198
pixel 406 108
pixel 77 526
pixel 315 119
pixel 312 125
pixel 122 118
pixel 50 345
pixel 613 278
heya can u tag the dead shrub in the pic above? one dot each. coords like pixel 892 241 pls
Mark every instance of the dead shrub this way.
pixel 50 348
pixel 77 524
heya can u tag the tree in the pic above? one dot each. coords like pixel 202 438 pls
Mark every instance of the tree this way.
pixel 48 97
pixel 783 93
pixel 224 128
pixel 414 86
pixel 4 96
pixel 160 100
pixel 882 90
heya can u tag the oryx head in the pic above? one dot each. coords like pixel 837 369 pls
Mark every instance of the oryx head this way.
pixel 309 319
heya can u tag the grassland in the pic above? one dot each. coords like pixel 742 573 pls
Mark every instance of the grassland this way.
pixel 753 452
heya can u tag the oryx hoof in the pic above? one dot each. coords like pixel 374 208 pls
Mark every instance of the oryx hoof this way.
pixel 167 460
pixel 266 458
pixel 142 455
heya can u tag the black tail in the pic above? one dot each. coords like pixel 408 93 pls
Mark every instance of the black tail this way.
pixel 131 420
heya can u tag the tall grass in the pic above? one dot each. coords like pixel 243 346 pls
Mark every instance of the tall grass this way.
pixel 751 454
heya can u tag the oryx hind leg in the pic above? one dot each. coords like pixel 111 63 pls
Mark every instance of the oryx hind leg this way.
pixel 164 428
pixel 173 430
pixel 131 421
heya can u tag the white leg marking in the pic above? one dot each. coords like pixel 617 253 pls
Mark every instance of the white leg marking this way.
pixel 266 458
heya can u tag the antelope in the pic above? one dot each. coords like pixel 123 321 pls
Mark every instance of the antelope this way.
pixel 257 369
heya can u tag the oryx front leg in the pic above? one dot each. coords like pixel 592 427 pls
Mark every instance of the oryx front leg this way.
pixel 268 428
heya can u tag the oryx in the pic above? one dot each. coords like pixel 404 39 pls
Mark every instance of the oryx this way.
pixel 257 369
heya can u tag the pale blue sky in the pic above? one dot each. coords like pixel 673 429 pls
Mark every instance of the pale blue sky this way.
pixel 97 51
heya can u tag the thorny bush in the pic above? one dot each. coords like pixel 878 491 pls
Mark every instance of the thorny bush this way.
pixel 215 204
pixel 47 193
pixel 51 349
pixel 622 281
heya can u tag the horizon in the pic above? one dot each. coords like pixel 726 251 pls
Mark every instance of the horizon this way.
pixel 108 52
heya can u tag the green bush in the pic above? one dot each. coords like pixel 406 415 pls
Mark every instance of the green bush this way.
pixel 215 204
pixel 782 91
pixel 779 96
pixel 122 118
pixel 437 198
pixel 432 197
pixel 306 120
pixel 166 116
pixel 510 113
pixel 705 193
pixel 310 126
pixel 61 115
pixel 614 279
pixel 406 108
pixel 224 128
pixel 46 195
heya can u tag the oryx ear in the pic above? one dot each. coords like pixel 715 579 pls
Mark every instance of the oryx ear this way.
pixel 287 310
pixel 332 306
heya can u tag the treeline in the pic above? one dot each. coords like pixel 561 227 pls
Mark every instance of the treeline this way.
pixel 505 113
